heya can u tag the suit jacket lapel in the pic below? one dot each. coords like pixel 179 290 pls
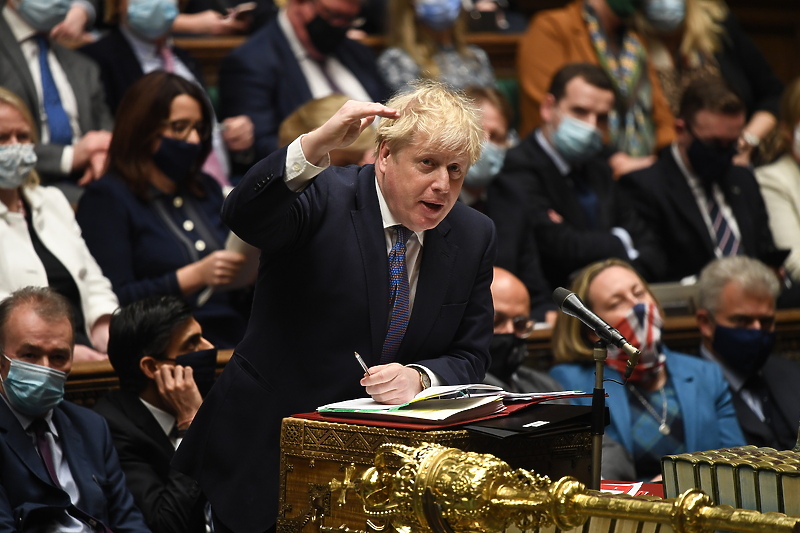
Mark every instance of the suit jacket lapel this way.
pixel 733 195
pixel 74 452
pixel 687 399
pixel 686 204
pixel 19 68
pixel 138 414
pixel 21 443
pixel 438 256
pixel 368 227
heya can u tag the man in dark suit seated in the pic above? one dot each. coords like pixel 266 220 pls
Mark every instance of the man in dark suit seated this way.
pixel 74 123
pixel 557 182
pixel 301 54
pixel 58 467
pixel 736 317
pixel 700 205
pixel 164 363
pixel 379 259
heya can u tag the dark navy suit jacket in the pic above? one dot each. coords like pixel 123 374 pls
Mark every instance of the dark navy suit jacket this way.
pixel 29 499
pixel 120 68
pixel 262 79
pixel 663 198
pixel 323 293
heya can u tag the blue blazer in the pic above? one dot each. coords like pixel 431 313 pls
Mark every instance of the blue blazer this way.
pixel 322 293
pixel 709 419
pixel 263 80
pixel 28 498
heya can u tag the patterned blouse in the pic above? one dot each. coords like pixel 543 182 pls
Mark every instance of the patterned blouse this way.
pixel 460 71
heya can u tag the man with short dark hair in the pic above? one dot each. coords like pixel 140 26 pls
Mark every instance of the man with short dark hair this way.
pixel 557 183
pixel 58 467
pixel 736 317
pixel 164 364
pixel 699 204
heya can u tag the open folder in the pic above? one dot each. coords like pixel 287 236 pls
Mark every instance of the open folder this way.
pixel 436 405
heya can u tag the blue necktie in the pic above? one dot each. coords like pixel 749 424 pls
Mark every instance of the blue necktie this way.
pixel 57 119
pixel 398 297
pixel 726 240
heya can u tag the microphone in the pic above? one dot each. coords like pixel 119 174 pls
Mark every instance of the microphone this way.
pixel 570 304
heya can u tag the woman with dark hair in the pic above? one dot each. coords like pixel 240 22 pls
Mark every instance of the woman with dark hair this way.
pixel 40 243
pixel 672 403
pixel 153 220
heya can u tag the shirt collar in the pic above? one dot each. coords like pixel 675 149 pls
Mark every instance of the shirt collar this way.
pixel 561 164
pixel 388 218
pixel 25 421
pixel 142 48
pixel 164 419
pixel 294 43
pixel 21 30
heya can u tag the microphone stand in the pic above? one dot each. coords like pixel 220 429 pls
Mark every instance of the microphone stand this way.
pixel 600 353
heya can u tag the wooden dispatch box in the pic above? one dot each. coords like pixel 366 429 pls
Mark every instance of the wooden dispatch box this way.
pixel 315 452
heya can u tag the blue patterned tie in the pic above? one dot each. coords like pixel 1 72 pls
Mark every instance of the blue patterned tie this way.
pixel 57 119
pixel 727 242
pixel 398 297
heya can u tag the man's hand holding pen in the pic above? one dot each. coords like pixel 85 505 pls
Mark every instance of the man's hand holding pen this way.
pixel 392 384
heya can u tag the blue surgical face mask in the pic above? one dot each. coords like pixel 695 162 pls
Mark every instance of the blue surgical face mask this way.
pixel 438 14
pixel 483 171
pixel 665 15
pixel 204 367
pixel 151 19
pixel 576 140
pixel 176 158
pixel 743 350
pixel 33 389
pixel 16 163
pixel 43 15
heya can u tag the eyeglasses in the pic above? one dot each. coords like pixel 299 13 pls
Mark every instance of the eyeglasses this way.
pixel 523 325
pixel 181 129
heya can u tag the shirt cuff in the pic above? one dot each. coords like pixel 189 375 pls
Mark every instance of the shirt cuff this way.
pixel 67 155
pixel 623 235
pixel 436 381
pixel 299 172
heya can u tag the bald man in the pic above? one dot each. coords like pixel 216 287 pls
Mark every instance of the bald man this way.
pixel 512 325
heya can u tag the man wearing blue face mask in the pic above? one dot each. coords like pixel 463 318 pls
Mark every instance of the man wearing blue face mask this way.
pixel 58 467
pixel 736 318
pixel 164 365
pixel 700 205
pixel 557 182
pixel 74 120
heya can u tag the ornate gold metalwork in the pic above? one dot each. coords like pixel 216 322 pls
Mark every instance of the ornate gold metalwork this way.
pixel 443 489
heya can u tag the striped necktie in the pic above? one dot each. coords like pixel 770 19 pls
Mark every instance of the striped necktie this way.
pixel 727 242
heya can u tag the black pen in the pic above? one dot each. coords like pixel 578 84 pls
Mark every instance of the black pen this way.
pixel 362 363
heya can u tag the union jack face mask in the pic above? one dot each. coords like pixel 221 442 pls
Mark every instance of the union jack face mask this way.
pixel 642 328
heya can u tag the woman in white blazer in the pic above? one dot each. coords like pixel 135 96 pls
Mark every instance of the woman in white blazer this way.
pixel 780 181
pixel 40 241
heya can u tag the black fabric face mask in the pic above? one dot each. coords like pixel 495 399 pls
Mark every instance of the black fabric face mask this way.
pixel 324 37
pixel 710 162
pixel 508 352
pixel 176 159
pixel 204 368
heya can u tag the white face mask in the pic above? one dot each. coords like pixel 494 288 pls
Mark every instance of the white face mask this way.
pixel 796 141
pixel 16 163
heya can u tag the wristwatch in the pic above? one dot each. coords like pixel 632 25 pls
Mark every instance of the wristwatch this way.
pixel 751 140
pixel 424 378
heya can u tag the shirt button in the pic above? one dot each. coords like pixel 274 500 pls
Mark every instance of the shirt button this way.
pixel 296 167
pixel 188 225
pixel 199 245
pixel 177 201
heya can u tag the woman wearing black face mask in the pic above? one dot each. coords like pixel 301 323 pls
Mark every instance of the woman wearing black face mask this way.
pixel 152 222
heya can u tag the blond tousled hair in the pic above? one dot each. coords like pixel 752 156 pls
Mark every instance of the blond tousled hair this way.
pixel 434 113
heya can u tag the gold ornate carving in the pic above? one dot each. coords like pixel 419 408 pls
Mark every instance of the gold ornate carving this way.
pixel 435 488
